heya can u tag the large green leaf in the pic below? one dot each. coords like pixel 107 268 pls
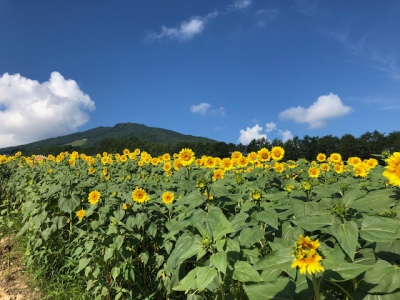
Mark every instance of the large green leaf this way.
pixel 204 276
pixel 205 222
pixel 249 236
pixel 189 282
pixel 350 196
pixel 222 228
pixel 347 236
pixel 379 229
pixel 315 222
pixel 276 260
pixel 220 261
pixel 244 272
pixel 375 200
pixel 182 244
pixel 239 221
pixel 280 289
pixel 301 208
pixel 69 204
pixel 269 216
pixel 383 277
pixel 389 251
pixel 345 271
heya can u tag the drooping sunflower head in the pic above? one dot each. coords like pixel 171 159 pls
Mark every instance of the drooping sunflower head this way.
pixel 277 153
pixel 168 197
pixel 94 197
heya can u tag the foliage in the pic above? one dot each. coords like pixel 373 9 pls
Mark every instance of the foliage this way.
pixel 227 235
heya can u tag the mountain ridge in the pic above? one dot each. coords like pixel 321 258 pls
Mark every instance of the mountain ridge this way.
pixel 119 131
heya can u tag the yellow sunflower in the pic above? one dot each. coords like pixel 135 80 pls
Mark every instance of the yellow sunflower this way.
pixel 186 156
pixel 139 195
pixel 218 174
pixel 168 197
pixel 264 155
pixel 392 171
pixel 307 256
pixel 321 157
pixel 335 158
pixel 313 172
pixel 277 153
pixel 94 197
pixel 80 214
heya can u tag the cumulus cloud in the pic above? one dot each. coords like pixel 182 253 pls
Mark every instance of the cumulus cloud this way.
pixel 31 111
pixel 240 4
pixel 201 108
pixel 286 135
pixel 270 126
pixel 246 136
pixel 326 107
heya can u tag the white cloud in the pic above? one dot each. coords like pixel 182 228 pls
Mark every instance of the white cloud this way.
pixel 246 136
pixel 286 135
pixel 326 107
pixel 241 4
pixel 204 109
pixel 185 31
pixel 270 126
pixel 201 108
pixel 31 111
pixel 195 25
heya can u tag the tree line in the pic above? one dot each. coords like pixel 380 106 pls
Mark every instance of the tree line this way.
pixel 308 147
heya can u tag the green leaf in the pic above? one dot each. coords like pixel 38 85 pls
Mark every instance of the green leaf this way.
pixel 383 277
pixel 301 208
pixel 182 244
pixel 244 272
pixel 118 241
pixel 115 272
pixel 108 253
pixel 189 282
pixel 82 264
pixel 280 289
pixel 249 236
pixel 152 230
pixel 140 219
pixel 345 271
pixel 389 251
pixel 222 228
pixel 379 229
pixel 239 221
pixel 347 236
pixel 144 257
pixel 205 222
pixel 289 234
pixel 204 276
pixel 315 222
pixel 194 248
pixel 220 261
pixel 69 204
pixel 276 260
pixel 269 216
pixel 350 196
pixel 375 200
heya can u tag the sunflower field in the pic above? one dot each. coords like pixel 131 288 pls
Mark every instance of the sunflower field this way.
pixel 179 227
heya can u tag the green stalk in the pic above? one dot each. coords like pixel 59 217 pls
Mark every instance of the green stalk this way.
pixel 316 287
pixel 221 286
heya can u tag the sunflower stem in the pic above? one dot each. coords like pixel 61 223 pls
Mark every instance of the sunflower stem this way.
pixel 316 287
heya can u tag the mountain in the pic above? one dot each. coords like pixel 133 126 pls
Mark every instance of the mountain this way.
pixel 93 137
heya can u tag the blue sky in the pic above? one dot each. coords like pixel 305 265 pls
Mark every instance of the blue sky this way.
pixel 227 70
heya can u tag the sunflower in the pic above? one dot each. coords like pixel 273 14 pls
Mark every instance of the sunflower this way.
pixel 123 158
pixel 186 156
pixel 264 155
pixel 166 157
pixel 94 197
pixel 125 206
pixel 313 172
pixel 335 158
pixel 279 167
pixel 371 163
pixel 91 170
pixel 321 157
pixel 236 155
pixel 209 162
pixel 242 161
pixel 126 152
pixel 325 167
pixel 168 197
pixel 392 171
pixel 80 214
pixel 139 195
pixel 218 174
pixel 256 195
pixel 361 170
pixel 354 161
pixel 226 163
pixel 167 166
pixel 104 160
pixel 307 256
pixel 252 157
pixel 277 153
pixel 338 168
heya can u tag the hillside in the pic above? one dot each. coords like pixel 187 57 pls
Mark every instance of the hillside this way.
pixel 93 137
